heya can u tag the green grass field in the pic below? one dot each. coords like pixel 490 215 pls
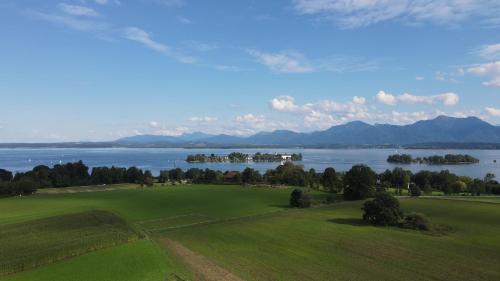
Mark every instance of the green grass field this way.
pixel 333 243
pixel 139 260
pixel 27 245
pixel 217 202
pixel 253 234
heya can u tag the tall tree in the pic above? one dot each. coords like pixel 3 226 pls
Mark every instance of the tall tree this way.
pixel 359 183
pixel 330 181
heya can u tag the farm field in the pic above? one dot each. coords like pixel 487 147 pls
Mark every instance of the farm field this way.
pixel 217 202
pixel 251 234
pixel 29 244
pixel 334 244
pixel 138 260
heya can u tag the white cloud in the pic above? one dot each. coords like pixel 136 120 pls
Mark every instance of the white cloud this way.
pixel 285 104
pixel 175 131
pixel 184 20
pixel 204 119
pixel 284 62
pixel 359 13
pixel 77 10
pixel 408 117
pixel 447 99
pixel 385 98
pixel 201 46
pixel 229 68
pixel 489 51
pixel 256 121
pixel 101 2
pixel 493 111
pixel 319 120
pixel 450 76
pixel 491 70
pixel 170 3
pixel 358 100
pixel 141 36
pixel 295 62
pixel 323 113
pixel 419 78
pixel 156 128
pixel 69 21
pixel 154 124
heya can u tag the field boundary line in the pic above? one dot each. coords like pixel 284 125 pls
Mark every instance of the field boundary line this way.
pixel 226 220
pixel 460 199
pixel 167 218
pixel 201 266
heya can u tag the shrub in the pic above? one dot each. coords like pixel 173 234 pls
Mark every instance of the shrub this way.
pixel 24 186
pixel 416 221
pixel 458 187
pixel 384 210
pixel 300 199
pixel 415 191
pixel 331 198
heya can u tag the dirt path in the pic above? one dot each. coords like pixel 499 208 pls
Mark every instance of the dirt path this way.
pixel 202 268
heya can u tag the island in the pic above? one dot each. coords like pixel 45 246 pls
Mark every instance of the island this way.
pixel 448 159
pixel 236 157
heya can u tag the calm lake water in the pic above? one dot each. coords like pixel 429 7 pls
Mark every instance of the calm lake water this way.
pixel 168 158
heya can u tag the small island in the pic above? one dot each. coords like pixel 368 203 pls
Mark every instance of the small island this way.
pixel 448 159
pixel 238 157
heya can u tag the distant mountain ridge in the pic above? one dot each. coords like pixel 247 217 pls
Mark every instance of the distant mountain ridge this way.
pixel 442 129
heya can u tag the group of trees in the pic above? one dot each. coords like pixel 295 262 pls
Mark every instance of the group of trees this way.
pixel 384 210
pixel 450 183
pixel 268 157
pixel 201 158
pixel 435 160
pixel 358 183
pixel 66 175
pixel 241 157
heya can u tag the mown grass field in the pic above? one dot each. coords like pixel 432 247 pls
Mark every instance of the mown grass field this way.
pixel 27 245
pixel 251 233
pixel 334 244
pixel 139 260
pixel 218 202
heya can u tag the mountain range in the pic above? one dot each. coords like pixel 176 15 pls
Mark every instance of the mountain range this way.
pixel 442 129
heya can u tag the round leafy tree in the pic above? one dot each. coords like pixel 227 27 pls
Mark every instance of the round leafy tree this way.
pixel 383 210
pixel 415 191
pixel 300 199
pixel 359 182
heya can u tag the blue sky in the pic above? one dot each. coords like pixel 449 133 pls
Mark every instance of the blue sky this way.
pixel 103 69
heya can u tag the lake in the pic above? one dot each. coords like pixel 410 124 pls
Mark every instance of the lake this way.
pixel 156 159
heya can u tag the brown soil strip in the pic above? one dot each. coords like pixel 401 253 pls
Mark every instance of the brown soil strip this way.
pixel 201 267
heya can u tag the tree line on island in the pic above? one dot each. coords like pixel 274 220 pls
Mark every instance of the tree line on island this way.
pixel 357 183
pixel 235 157
pixel 433 160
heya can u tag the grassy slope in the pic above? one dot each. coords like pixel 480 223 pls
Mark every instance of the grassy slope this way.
pixel 139 260
pixel 319 244
pixel 148 208
pixel 332 243
pixel 29 244
pixel 217 202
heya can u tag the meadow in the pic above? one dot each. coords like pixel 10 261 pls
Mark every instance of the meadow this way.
pixel 251 234
pixel 333 243
pixel 30 244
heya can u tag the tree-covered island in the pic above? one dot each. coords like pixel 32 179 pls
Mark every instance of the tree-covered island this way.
pixel 448 159
pixel 242 157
